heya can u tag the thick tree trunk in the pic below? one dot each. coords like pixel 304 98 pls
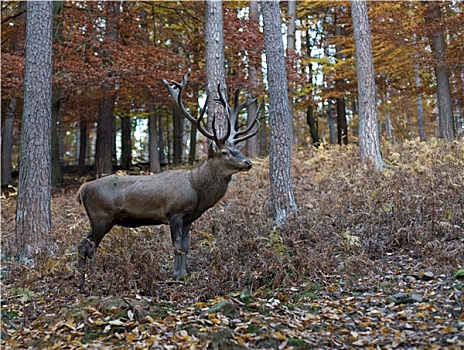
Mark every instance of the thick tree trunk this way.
pixel 105 136
pixel 282 199
pixel 291 30
pixel 8 116
pixel 126 143
pixel 215 63
pixel 33 212
pixel 445 105
pixel 369 140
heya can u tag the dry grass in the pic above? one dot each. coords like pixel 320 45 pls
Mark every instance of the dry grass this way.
pixel 354 225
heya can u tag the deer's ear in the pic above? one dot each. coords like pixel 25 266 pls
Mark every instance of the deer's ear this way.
pixel 239 145
pixel 212 149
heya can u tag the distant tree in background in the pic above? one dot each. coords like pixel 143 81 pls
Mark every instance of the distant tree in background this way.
pixel 369 139
pixel 282 199
pixel 33 212
pixel 445 106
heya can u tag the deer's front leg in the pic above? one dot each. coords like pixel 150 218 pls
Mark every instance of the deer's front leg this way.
pixel 179 236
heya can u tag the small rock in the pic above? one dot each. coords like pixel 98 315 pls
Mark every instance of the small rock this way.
pixel 427 276
pixel 404 298
pixel 226 307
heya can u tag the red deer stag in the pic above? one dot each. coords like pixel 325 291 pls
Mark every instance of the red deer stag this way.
pixel 176 197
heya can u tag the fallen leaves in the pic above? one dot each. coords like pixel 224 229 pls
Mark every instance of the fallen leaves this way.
pixel 332 318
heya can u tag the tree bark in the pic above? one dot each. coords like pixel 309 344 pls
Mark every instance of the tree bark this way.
pixel 282 199
pixel 83 143
pixel 215 63
pixel 342 125
pixel 57 174
pixel 126 143
pixel 153 151
pixel 369 140
pixel 177 136
pixel 291 30
pixel 8 117
pixel 33 212
pixel 331 123
pixel 252 144
pixel 445 105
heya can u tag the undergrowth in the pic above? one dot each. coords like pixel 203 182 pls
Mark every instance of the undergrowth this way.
pixel 354 224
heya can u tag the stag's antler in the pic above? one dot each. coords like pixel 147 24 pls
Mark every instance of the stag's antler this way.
pixel 177 90
pixel 233 134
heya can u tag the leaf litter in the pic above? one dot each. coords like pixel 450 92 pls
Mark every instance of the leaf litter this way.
pixel 372 261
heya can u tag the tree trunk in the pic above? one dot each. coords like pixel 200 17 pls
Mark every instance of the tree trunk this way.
pixel 105 138
pixel 369 140
pixel 342 125
pixel 126 143
pixel 420 108
pixel 83 143
pixel 252 144
pixel 282 199
pixel 8 117
pixel 291 29
pixel 57 174
pixel 33 212
pixel 331 123
pixel 162 153
pixel 215 63
pixel 177 136
pixel 153 151
pixel 313 127
pixel 445 106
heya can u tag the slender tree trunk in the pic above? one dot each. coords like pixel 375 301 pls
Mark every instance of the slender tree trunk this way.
pixel 310 119
pixel 282 199
pixel 177 135
pixel 33 211
pixel 153 144
pixel 252 144
pixel 215 63
pixel 420 108
pixel 126 143
pixel 57 174
pixel 162 153
pixel 342 125
pixel 369 140
pixel 8 116
pixel 291 30
pixel 445 106
pixel 83 142
pixel 332 123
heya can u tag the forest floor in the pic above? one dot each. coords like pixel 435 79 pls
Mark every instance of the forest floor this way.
pixel 372 260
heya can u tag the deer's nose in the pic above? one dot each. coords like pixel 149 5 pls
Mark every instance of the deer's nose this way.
pixel 248 164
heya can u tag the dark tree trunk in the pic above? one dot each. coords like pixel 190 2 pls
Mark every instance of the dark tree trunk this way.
pixel 445 105
pixel 8 116
pixel 153 151
pixel 126 143
pixel 369 139
pixel 342 125
pixel 105 137
pixel 282 199
pixel 162 153
pixel 331 123
pixel 33 211
pixel 313 127
pixel 57 174
pixel 83 143
pixel 177 135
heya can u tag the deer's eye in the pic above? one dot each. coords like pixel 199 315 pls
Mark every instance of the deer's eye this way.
pixel 224 153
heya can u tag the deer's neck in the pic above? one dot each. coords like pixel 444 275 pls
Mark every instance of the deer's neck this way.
pixel 210 183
